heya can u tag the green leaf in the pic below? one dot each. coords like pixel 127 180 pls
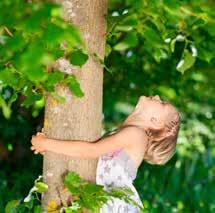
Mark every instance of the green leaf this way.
pixel 42 187
pixel 31 98
pixel 172 45
pixel 72 178
pixel 78 58
pixel 73 208
pixel 12 99
pixel 5 108
pixel 73 35
pixel 186 62
pixel 52 34
pixel 128 23
pixel 40 103
pixel 152 37
pixel 129 41
pixel 72 181
pixel 15 43
pixel 74 85
pixel 36 74
pixel 108 50
pixel 8 77
pixel 29 204
pixel 92 188
pixel 52 79
pixel 11 205
pixel 38 209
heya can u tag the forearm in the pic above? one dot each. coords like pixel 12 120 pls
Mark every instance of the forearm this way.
pixel 126 138
pixel 78 148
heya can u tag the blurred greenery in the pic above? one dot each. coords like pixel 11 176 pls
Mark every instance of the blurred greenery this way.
pixel 153 47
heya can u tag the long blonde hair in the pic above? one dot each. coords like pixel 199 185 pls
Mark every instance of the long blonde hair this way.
pixel 161 143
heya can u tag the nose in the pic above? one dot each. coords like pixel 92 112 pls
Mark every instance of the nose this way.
pixel 157 97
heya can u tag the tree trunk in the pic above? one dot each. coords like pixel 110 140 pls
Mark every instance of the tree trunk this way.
pixel 78 118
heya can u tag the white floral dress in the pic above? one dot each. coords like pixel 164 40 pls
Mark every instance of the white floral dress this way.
pixel 118 169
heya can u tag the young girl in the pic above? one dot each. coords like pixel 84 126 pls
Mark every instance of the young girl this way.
pixel 149 133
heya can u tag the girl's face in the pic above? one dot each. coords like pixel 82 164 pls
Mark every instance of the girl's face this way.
pixel 153 110
pixel 149 112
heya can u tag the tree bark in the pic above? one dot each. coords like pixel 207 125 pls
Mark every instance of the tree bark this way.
pixel 78 118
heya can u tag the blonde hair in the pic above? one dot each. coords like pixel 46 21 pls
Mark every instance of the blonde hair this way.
pixel 162 143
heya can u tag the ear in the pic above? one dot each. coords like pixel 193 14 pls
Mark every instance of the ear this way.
pixel 157 124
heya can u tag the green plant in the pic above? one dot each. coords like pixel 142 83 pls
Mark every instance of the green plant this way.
pixel 29 202
pixel 85 195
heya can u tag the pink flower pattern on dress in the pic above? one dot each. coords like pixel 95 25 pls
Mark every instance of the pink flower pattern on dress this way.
pixel 111 154
pixel 117 169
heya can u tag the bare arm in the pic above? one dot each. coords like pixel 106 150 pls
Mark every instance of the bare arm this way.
pixel 126 138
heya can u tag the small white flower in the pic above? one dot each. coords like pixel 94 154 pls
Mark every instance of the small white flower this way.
pixel 180 64
pixel 129 53
pixel 167 40
pixel 132 85
pixel 194 51
pixel 125 11
pixel 25 88
pixel 179 38
pixel 115 13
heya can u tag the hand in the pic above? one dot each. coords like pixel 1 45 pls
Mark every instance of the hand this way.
pixel 39 143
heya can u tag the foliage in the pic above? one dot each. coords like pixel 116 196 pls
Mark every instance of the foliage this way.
pixel 85 195
pixel 33 35
pixel 167 31
pixel 28 204
pixel 150 44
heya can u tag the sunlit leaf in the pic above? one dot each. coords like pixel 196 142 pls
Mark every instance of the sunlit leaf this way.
pixel 41 187
pixel 129 41
pixel 74 85
pixel 11 205
pixel 31 98
pixel 186 62
pixel 78 58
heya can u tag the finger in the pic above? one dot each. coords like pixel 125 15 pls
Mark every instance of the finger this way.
pixel 32 148
pixel 35 152
pixel 40 133
pixel 33 142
